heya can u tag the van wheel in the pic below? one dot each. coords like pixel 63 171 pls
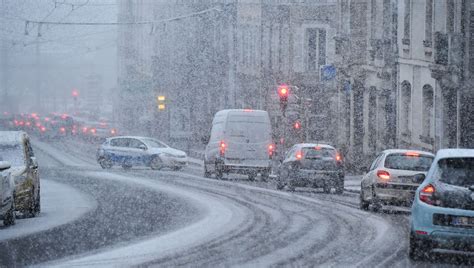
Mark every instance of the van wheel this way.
pixel 10 218
pixel 327 188
pixel 219 174
pixel 265 176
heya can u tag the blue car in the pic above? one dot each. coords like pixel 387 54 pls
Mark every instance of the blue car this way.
pixel 442 215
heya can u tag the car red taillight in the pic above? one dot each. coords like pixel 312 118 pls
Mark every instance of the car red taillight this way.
pixel 62 129
pixel 222 148
pixel 383 174
pixel 299 155
pixel 426 194
pixel 271 150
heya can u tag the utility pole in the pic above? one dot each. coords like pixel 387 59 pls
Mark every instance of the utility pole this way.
pixel 38 87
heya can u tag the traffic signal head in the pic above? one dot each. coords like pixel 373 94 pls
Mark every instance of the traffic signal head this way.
pixel 283 92
pixel 297 125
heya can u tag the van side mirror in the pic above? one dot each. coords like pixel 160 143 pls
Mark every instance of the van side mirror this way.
pixel 4 165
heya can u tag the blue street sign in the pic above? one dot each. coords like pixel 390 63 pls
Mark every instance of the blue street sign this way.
pixel 328 72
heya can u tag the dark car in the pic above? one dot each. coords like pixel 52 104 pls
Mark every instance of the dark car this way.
pixel 314 165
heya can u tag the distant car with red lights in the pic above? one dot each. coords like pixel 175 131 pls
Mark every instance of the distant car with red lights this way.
pixel 393 178
pixel 312 164
pixel 240 142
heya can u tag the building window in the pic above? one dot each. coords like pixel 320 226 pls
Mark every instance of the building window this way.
pixel 427 110
pixel 406 29
pixel 428 23
pixel 316 48
pixel 406 107
pixel 450 16
pixel 373 18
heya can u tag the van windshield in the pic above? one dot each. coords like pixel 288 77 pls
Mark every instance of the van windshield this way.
pixel 248 129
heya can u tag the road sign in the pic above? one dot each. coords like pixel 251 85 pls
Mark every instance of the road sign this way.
pixel 328 72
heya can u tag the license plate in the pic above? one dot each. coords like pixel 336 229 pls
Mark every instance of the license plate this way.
pixel 463 221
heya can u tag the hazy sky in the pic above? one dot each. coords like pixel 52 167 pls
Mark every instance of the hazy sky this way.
pixel 67 54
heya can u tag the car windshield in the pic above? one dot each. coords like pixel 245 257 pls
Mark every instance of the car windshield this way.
pixel 456 171
pixel 155 143
pixel 248 129
pixel 413 162
pixel 12 153
pixel 318 152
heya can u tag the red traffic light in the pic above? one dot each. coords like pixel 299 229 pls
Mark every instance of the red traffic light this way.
pixel 283 91
pixel 75 93
pixel 297 125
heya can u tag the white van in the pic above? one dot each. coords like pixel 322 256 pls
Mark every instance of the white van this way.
pixel 240 142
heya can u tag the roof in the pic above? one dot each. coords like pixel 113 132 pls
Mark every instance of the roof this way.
pixel 394 151
pixel 448 153
pixel 301 145
pixel 133 137
pixel 11 137
pixel 223 112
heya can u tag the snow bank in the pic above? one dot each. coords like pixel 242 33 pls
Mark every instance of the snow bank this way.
pixel 60 204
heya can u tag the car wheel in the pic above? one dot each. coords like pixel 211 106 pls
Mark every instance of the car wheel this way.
pixel 31 210
pixel 265 175
pixel 10 218
pixel 363 205
pixel 252 176
pixel 327 188
pixel 280 185
pixel 291 187
pixel 105 163
pixel 219 174
pixel 156 163
pixel 126 166
pixel 340 188
pixel 418 249
pixel 207 174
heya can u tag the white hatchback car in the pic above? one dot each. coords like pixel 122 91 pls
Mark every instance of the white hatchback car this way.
pixel 129 151
pixel 7 196
pixel 393 178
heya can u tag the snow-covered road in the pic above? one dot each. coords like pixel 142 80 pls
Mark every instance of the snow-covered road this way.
pixel 165 218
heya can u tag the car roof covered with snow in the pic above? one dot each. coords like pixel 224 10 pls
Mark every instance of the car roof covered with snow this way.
pixel 449 153
pixel 134 137
pixel 12 137
pixel 402 151
pixel 311 145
